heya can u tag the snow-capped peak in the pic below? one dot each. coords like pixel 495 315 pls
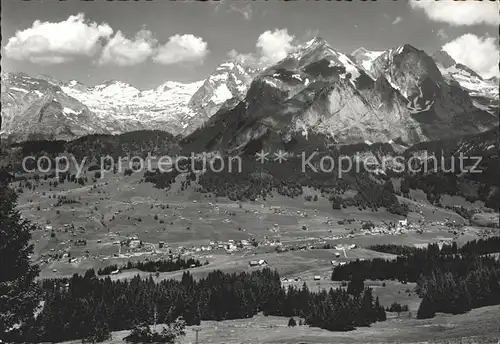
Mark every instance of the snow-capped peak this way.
pixel 230 79
pixel 125 107
pixel 465 76
pixel 365 57
pixel 112 84
pixel 315 44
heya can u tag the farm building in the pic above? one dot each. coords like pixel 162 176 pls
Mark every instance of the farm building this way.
pixel 260 262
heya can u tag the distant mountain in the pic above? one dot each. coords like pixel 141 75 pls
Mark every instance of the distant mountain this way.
pixel 315 94
pixel 114 107
pixel 365 57
pixel 495 80
pixel 484 92
pixel 125 108
pixel 230 81
pixel 44 108
pixel 318 96
pixel 39 109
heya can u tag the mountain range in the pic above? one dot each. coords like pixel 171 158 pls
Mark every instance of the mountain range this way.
pixel 315 94
pixel 319 96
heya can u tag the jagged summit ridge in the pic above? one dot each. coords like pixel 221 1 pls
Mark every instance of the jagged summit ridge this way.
pixel 466 78
pixel 377 96
pixel 111 107
pixel 365 57
pixel 229 81
pixel 322 96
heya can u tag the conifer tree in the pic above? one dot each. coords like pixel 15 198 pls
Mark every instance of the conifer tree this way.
pixel 19 293
pixel 426 310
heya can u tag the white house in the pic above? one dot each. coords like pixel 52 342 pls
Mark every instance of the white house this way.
pixel 403 223
pixel 253 263
pixel 260 262
pixel 134 243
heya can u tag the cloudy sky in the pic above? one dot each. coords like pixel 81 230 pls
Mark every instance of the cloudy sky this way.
pixel 146 43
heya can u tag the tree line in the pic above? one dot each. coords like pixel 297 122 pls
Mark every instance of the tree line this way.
pixel 482 246
pixel 449 280
pixel 161 265
pixel 473 247
pixel 474 283
pixel 76 307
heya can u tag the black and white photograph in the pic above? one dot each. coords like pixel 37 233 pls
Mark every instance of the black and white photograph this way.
pixel 250 172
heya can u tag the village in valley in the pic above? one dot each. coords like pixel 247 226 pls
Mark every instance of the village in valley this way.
pixel 73 236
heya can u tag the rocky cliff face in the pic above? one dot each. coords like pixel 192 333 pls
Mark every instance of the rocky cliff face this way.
pixel 125 108
pixel 315 96
pixel 45 108
pixel 365 57
pixel 484 93
pixel 229 82
pixel 35 109
pixel 320 96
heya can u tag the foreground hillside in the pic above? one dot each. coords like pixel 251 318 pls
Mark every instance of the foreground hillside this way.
pixel 480 326
pixel 211 246
pixel 299 231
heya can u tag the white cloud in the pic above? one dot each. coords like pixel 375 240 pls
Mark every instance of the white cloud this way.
pixel 479 53
pixel 397 20
pixel 460 12
pixel 51 43
pixel 128 52
pixel 182 48
pixel 274 45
